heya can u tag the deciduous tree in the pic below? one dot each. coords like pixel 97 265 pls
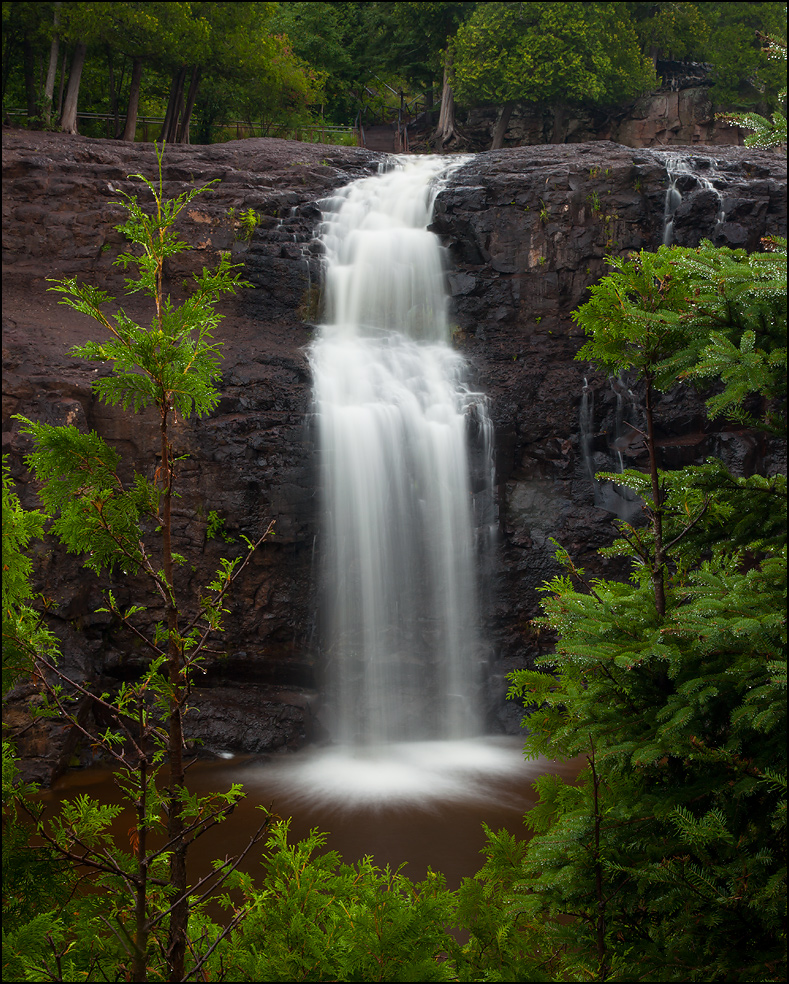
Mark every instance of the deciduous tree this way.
pixel 550 54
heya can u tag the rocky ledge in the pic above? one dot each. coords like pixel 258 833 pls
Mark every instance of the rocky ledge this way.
pixel 526 232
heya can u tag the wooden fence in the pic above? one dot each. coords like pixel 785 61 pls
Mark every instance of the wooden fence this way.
pixel 150 126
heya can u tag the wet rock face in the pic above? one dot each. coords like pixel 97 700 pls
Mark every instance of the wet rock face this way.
pixel 251 460
pixel 525 232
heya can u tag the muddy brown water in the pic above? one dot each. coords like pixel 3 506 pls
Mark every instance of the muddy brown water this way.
pixel 420 827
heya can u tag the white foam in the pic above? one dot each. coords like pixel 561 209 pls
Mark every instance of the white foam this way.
pixel 402 773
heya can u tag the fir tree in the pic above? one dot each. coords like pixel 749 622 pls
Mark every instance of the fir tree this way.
pixel 667 859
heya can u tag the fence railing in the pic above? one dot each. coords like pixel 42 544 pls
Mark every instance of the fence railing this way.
pixel 148 125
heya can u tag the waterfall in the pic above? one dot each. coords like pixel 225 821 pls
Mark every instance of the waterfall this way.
pixel 396 418
pixel 608 495
pixel 406 464
pixel 679 167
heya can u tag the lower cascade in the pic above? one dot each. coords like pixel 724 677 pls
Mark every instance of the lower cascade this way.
pixel 406 451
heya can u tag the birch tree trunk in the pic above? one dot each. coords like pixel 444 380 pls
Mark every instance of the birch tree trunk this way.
pixel 68 121
pixel 130 129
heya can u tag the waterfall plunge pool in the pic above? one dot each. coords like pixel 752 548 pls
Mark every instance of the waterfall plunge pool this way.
pixel 423 805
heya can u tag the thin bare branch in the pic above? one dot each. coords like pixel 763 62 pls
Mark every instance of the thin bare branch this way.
pixel 690 525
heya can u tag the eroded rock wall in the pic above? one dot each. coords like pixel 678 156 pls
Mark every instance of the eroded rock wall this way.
pixel 678 113
pixel 251 460
pixel 526 232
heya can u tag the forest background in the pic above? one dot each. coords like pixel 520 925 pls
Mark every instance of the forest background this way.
pixel 289 67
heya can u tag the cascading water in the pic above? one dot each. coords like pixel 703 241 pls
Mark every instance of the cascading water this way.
pixel 678 168
pixel 405 448
pixel 608 495
pixel 393 411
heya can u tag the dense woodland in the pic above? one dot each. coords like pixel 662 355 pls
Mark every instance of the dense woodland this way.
pixel 666 860
pixel 290 66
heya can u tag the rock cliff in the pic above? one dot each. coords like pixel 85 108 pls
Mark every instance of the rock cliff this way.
pixel 526 232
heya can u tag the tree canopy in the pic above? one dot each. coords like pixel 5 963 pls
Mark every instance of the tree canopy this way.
pixel 549 52
pixel 298 61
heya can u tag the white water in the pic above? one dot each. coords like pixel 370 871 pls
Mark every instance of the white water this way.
pixel 679 166
pixel 393 410
pixel 608 495
pixel 396 422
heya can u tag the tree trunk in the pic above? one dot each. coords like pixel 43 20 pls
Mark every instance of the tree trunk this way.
pixel 68 121
pixel 194 83
pixel 501 126
pixel 130 129
pixel 179 917
pixel 445 131
pixel 559 131
pixel 170 125
pixel 61 85
pixel 52 69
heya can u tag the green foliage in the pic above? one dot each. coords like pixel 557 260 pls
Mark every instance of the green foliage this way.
pixel 141 925
pixel 34 878
pixel 744 78
pixel 340 41
pixel 239 65
pixel 216 527
pixel 24 634
pixel 244 223
pixel 670 30
pixel 697 314
pixel 280 63
pixel 666 859
pixel 549 52
pixel 316 918
pixel 766 133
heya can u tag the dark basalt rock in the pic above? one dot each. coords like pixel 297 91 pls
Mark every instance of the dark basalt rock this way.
pixel 526 232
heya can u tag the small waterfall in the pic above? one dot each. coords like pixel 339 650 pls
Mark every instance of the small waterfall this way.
pixel 397 420
pixel 680 168
pixel 585 426
pixel 608 495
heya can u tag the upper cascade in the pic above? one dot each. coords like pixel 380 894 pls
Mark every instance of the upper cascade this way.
pixel 384 269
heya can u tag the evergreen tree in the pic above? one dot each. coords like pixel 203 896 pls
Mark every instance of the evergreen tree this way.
pixel 766 133
pixel 548 54
pixel 667 859
pixel 742 79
